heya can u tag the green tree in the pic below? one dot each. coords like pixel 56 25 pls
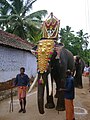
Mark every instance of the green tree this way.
pixel 16 18
pixel 83 39
pixel 77 42
pixel 83 43
pixel 67 36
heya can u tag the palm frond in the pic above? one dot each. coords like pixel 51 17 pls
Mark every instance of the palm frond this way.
pixel 13 18
pixel 18 5
pixel 38 14
pixel 27 6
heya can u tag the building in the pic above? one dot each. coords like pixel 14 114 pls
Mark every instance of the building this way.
pixel 15 53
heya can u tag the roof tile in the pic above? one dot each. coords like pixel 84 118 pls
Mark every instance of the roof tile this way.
pixel 12 40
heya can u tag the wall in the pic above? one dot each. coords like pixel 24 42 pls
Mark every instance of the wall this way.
pixel 12 59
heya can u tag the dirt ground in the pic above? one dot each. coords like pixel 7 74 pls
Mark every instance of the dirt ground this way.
pixel 81 103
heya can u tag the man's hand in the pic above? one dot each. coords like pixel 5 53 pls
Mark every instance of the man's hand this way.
pixel 62 89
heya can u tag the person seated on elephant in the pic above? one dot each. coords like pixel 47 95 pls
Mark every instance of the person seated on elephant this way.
pixel 69 94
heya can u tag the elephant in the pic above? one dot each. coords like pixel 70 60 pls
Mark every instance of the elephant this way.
pixel 59 61
pixel 79 69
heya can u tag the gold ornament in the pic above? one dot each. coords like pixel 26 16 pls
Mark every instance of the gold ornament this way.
pixel 45 48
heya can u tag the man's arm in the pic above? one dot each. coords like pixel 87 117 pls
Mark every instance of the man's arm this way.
pixel 69 87
pixel 28 81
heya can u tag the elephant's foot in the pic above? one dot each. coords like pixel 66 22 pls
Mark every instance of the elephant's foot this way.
pixel 60 108
pixel 60 102
pixel 80 87
pixel 41 112
pixel 50 105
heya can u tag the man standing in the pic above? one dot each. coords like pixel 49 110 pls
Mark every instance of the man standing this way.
pixel 69 96
pixel 22 81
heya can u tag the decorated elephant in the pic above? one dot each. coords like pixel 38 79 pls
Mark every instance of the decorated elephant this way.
pixel 79 69
pixel 53 61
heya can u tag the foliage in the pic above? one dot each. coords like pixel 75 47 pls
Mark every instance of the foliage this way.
pixel 77 42
pixel 16 18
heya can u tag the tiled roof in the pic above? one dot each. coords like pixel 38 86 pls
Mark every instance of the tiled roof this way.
pixel 12 40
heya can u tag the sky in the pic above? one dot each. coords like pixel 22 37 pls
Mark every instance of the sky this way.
pixel 74 13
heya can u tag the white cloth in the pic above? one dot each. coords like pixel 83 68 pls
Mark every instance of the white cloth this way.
pixel 86 69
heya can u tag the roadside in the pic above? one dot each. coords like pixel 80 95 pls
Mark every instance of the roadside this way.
pixel 82 107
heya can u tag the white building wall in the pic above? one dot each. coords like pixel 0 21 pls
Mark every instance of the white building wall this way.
pixel 12 59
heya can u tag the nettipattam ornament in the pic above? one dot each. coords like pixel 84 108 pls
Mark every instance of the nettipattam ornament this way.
pixel 44 53
pixel 50 27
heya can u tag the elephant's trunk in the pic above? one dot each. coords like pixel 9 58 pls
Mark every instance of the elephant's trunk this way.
pixel 41 88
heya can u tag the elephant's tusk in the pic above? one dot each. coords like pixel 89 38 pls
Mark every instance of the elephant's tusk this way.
pixel 74 73
pixel 50 84
pixel 33 84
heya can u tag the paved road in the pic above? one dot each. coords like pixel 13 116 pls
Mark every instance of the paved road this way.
pixel 82 107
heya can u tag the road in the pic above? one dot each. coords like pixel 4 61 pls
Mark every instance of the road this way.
pixel 81 103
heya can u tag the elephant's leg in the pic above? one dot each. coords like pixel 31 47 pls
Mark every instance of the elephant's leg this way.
pixel 50 103
pixel 80 85
pixel 60 101
pixel 75 81
pixel 57 81
pixel 41 88
pixel 57 87
pixel 78 81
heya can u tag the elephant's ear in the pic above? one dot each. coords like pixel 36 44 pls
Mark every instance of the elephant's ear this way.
pixel 54 55
pixel 58 49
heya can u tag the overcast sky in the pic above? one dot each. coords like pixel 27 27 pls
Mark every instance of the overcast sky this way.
pixel 75 13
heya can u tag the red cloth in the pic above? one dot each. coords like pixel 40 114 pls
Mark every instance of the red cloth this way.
pixel 69 109
pixel 86 74
pixel 22 92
